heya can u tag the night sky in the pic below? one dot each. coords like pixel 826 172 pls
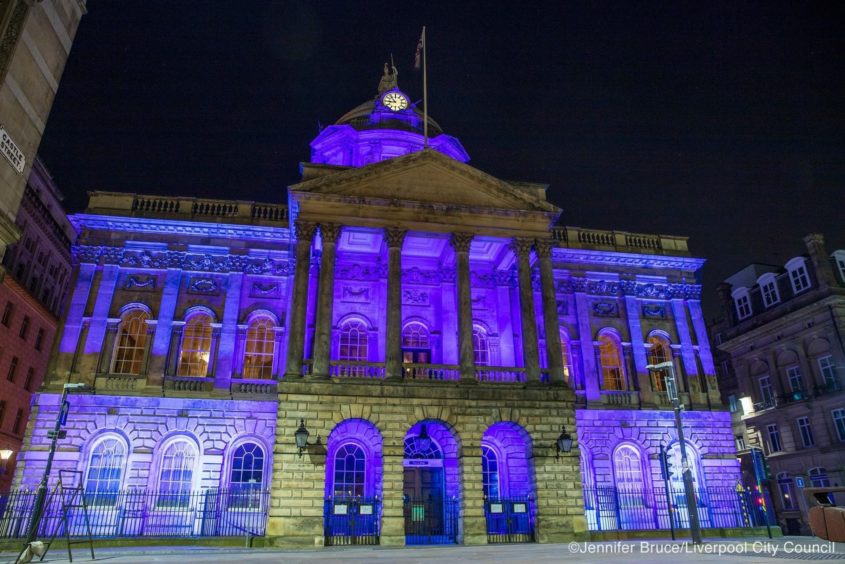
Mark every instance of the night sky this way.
pixel 723 121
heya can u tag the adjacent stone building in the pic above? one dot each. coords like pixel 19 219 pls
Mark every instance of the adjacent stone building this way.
pixel 781 364
pixel 426 324
pixel 35 41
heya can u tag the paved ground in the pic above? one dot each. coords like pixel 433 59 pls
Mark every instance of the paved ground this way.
pixel 744 551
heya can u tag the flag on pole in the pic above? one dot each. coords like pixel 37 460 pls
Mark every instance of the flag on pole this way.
pixel 418 55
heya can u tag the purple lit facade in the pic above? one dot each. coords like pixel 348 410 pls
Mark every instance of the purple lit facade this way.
pixel 423 318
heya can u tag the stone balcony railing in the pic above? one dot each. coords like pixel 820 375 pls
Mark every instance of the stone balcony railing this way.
pixel 119 382
pixel 621 241
pixel 620 397
pixel 189 384
pixel 198 209
pixel 449 372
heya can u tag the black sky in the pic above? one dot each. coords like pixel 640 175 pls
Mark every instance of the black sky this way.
pixel 723 121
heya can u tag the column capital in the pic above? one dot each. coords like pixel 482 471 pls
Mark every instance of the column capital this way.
pixel 461 242
pixel 521 246
pixel 394 236
pixel 544 247
pixel 304 230
pixel 330 232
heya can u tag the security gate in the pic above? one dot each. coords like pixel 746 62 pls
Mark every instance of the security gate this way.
pixel 509 520
pixel 351 520
pixel 431 520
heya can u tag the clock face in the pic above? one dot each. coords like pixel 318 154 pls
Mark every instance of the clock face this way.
pixel 395 101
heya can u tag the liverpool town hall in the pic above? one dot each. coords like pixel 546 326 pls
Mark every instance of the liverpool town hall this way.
pixel 406 350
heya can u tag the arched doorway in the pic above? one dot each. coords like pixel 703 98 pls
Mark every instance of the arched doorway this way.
pixel 507 480
pixel 352 509
pixel 431 484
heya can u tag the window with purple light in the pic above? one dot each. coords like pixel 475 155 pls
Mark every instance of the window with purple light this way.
pixel 349 470
pixel 105 472
pixel 416 347
pixel 259 349
pixel 177 474
pixel 247 478
pixel 353 346
pixel 480 346
pixel 489 473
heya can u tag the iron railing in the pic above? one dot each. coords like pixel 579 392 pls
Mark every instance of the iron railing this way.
pixel 431 520
pixel 144 513
pixel 351 520
pixel 609 508
pixel 509 519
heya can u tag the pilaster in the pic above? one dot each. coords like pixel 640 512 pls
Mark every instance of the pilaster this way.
pixel 466 357
pixel 531 357
pixel 329 233
pixel 164 327
pixel 304 235
pixel 393 337
pixel 554 355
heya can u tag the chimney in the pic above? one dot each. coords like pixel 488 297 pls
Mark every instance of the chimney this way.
pixel 820 260
pixel 727 301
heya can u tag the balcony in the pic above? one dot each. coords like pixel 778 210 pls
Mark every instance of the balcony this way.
pixel 628 398
pixel 119 382
pixel 182 384
pixel 828 388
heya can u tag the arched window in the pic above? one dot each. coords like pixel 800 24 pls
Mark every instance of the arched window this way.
pixel 416 345
pixel 131 342
pixel 196 346
pixel 176 477
pixel 628 469
pixel 349 469
pixel 566 359
pixel 247 478
pixel 659 351
pixel 259 348
pixel 818 477
pixel 480 346
pixel 353 346
pixel 611 363
pixel 105 471
pixel 489 473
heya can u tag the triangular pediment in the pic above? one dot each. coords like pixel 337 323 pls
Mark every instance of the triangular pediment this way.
pixel 426 176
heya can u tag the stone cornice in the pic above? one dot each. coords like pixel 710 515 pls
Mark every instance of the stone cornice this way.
pixel 618 288
pixel 177 259
pixel 615 258
pixel 82 221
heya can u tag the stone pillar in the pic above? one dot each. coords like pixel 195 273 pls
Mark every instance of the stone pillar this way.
pixel 329 232
pixel 639 376
pixel 71 332
pixel 820 260
pixel 99 318
pixel 228 357
pixel 531 358
pixel 393 506
pixel 161 338
pixel 393 338
pixel 475 523
pixel 554 356
pixel 466 357
pixel 296 338
pixel 592 366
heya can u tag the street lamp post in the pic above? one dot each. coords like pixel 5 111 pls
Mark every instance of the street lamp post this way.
pixel 689 488
pixel 41 492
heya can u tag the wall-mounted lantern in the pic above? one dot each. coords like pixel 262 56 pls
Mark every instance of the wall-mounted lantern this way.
pixel 423 440
pixel 563 443
pixel 301 436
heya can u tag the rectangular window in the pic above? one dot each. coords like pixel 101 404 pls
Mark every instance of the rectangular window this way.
pixel 770 293
pixel 806 431
pixel 839 423
pixel 775 444
pixel 767 393
pixel 799 278
pixel 796 383
pixel 740 442
pixel 786 493
pixel 743 306
pixel 732 403
pixel 39 339
pixel 16 428
pixel 7 313
pixel 30 375
pixel 13 369
pixel 24 328
pixel 827 370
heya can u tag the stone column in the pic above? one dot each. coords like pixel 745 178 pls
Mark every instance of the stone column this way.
pixel 475 523
pixel 329 232
pixel 304 232
pixel 466 357
pixel 592 365
pixel 229 358
pixel 393 342
pixel 554 356
pixel 99 319
pixel 393 506
pixel 71 333
pixel 161 338
pixel 531 358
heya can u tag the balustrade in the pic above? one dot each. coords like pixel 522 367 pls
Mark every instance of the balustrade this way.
pixel 187 384
pixel 500 374
pixel 620 397
pixel 449 372
pixel 355 369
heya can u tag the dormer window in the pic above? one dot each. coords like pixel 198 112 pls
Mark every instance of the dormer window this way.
pixel 769 289
pixel 742 301
pixel 798 276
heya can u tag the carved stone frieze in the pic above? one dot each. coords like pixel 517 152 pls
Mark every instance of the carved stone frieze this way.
pixel 355 294
pixel 357 271
pixel 605 309
pixel 654 311
pixel 140 282
pixel 413 296
pixel 264 290
pixel 204 286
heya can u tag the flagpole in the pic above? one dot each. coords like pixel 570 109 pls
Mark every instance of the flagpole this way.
pixel 425 93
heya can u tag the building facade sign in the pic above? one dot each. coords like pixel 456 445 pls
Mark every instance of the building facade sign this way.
pixel 11 151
